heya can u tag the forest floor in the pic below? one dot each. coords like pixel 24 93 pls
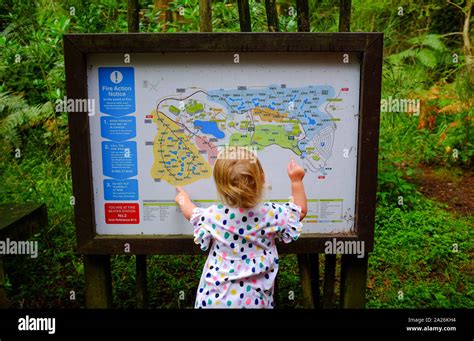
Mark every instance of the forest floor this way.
pixel 452 187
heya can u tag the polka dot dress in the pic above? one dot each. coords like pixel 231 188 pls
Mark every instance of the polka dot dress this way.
pixel 243 260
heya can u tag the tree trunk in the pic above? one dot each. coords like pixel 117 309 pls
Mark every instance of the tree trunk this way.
pixel 467 47
pixel 165 14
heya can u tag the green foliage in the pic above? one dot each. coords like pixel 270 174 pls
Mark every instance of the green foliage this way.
pixel 454 142
pixel 41 177
pixel 426 60
pixel 18 116
pixel 190 17
pixel 225 17
pixel 258 15
pixel 429 50
pixel 96 16
pixel 393 189
pixel 287 23
pixel 32 62
pixel 415 254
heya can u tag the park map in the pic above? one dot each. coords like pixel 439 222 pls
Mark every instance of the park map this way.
pixel 178 111
pixel 191 127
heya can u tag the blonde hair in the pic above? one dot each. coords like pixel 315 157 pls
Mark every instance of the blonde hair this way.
pixel 239 177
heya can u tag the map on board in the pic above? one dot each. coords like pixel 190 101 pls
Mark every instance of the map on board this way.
pixel 191 127
pixel 163 120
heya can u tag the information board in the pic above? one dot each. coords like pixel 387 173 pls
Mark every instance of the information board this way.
pixel 164 118
pixel 167 103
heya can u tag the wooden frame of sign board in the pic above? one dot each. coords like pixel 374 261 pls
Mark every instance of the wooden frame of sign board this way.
pixel 369 47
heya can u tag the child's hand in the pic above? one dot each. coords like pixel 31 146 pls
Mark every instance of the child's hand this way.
pixel 295 172
pixel 182 197
pixel 184 203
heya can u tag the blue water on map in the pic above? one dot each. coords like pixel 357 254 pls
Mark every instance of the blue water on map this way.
pixel 209 127
pixel 311 121
pixel 305 104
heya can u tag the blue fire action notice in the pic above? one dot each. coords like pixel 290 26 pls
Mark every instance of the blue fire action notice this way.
pixel 118 128
pixel 117 90
pixel 121 190
pixel 119 160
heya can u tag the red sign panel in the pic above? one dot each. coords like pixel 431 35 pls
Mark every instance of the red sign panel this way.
pixel 122 213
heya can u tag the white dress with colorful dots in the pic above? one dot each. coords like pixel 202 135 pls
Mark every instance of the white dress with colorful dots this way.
pixel 243 260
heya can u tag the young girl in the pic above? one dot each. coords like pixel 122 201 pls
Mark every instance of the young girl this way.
pixel 243 261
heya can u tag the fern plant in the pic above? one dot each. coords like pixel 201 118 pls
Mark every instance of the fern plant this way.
pixel 17 115
pixel 425 61
pixel 428 50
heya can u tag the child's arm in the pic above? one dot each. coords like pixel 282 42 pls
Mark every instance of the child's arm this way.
pixel 296 175
pixel 184 203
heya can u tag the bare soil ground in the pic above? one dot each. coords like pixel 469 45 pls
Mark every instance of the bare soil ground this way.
pixel 452 187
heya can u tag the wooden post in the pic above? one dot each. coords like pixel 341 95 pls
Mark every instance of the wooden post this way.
pixel 4 301
pixel 141 275
pixel 302 10
pixel 305 279
pixel 140 261
pixel 132 16
pixel 276 300
pixel 244 16
pixel 98 288
pixel 304 262
pixel 272 15
pixel 329 279
pixel 205 15
pixel 345 16
pixel 353 281
pixel 314 270
pixel 353 269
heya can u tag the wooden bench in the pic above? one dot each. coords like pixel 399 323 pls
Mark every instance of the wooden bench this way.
pixel 19 222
